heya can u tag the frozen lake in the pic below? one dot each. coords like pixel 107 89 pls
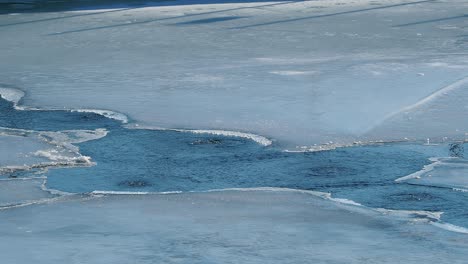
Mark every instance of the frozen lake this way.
pixel 304 72
pixel 233 131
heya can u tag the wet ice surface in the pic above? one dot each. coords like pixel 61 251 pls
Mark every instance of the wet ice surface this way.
pixel 219 227
pixel 303 72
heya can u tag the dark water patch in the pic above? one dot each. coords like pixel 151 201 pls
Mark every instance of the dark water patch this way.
pixel 206 141
pixel 134 183
pixel 412 197
pixel 456 150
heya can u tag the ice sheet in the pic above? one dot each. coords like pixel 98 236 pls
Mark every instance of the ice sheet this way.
pixel 218 227
pixel 303 72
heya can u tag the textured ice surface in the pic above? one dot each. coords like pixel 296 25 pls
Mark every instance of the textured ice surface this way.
pixel 299 71
pixel 219 227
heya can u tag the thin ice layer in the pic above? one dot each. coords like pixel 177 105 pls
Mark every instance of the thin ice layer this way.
pixel 16 150
pixel 219 227
pixel 19 191
pixel 450 173
pixel 299 71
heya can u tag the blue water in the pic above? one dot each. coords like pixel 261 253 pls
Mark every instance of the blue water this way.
pixel 150 160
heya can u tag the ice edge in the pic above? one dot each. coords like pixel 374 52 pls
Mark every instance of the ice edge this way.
pixel 15 95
